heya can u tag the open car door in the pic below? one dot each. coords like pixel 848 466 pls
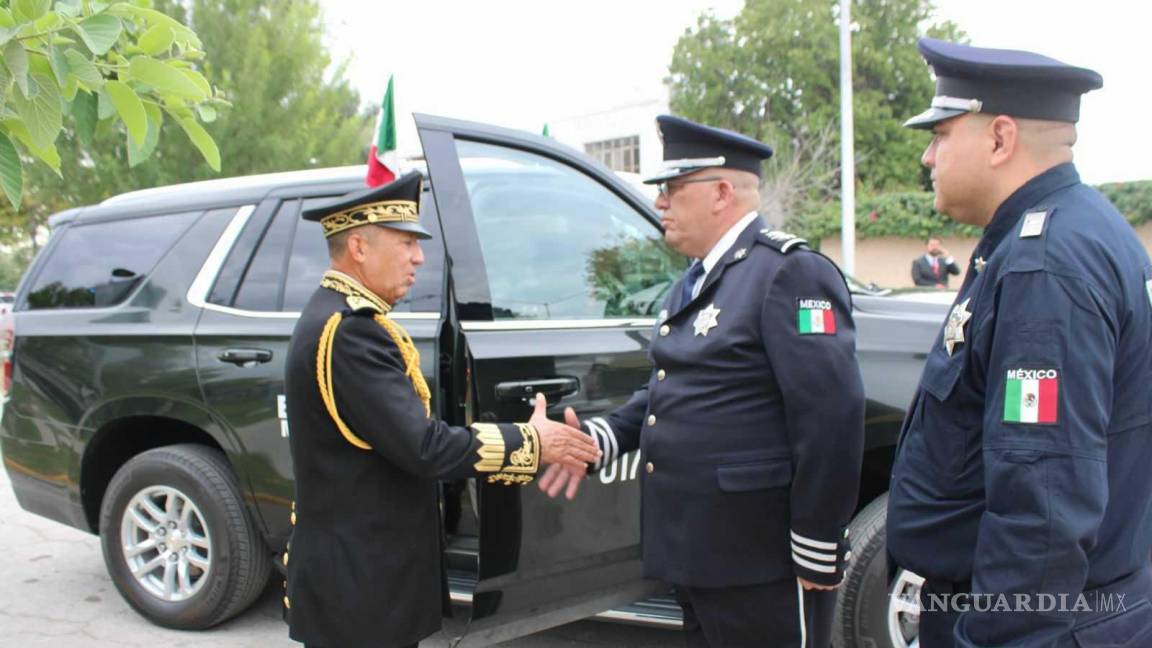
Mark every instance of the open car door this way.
pixel 556 269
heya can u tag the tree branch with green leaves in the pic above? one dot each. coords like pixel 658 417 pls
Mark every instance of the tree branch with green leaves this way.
pixel 90 64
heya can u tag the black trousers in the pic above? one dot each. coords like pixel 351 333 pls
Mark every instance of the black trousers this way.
pixel 777 615
pixel 936 621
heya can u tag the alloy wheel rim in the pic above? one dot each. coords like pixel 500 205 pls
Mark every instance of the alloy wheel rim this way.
pixel 165 543
pixel 904 610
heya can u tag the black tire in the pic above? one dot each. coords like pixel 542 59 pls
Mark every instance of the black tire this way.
pixel 861 619
pixel 235 564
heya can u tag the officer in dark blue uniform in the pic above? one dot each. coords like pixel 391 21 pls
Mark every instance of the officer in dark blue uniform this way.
pixel 1021 489
pixel 751 425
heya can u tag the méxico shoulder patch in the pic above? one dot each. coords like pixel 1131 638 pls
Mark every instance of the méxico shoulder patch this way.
pixel 814 316
pixel 1032 396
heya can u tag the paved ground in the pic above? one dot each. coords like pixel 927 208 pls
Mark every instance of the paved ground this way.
pixel 55 592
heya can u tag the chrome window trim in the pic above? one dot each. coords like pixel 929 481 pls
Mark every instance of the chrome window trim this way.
pixel 546 325
pixel 198 291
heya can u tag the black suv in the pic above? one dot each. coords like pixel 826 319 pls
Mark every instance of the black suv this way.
pixel 146 396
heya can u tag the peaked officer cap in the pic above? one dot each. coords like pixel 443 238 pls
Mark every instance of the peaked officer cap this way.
pixel 689 147
pixel 1001 82
pixel 395 205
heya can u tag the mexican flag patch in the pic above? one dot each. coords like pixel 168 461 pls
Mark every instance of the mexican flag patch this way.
pixel 1031 396
pixel 815 317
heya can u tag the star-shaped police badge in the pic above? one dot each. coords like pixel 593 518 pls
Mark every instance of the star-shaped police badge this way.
pixel 706 320
pixel 954 329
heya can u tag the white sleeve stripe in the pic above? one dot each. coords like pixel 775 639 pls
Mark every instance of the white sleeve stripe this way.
pixel 827 569
pixel 601 442
pixel 605 438
pixel 613 449
pixel 815 544
pixel 831 558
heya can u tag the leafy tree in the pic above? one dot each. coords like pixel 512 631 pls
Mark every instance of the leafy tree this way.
pixel 291 109
pixel 95 63
pixel 773 73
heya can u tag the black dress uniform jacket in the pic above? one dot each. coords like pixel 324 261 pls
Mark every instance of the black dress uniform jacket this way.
pixel 751 424
pixel 1024 462
pixel 364 561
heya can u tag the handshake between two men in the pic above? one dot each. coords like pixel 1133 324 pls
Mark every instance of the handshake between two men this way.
pixel 565 448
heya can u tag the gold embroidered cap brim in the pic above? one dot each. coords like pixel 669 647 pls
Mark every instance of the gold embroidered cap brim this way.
pixel 382 213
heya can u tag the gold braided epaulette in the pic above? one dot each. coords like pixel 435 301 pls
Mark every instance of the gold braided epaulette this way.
pixel 408 352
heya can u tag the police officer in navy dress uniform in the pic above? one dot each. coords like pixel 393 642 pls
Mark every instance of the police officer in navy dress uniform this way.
pixel 364 561
pixel 1021 489
pixel 751 426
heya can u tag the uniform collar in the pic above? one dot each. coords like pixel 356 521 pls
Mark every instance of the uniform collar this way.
pixel 1028 195
pixel 722 246
pixel 353 290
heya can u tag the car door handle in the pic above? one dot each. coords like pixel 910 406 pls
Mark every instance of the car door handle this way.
pixel 553 388
pixel 245 357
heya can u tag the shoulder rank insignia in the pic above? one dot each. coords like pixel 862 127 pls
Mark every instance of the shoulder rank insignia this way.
pixel 1033 224
pixel 782 242
pixel 1032 396
pixel 815 317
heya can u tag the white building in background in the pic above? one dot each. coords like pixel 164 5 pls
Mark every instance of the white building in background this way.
pixel 624 137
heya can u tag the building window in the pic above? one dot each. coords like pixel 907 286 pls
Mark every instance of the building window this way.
pixel 620 154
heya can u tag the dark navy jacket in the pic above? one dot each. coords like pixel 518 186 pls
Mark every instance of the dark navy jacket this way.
pixel 751 431
pixel 1025 463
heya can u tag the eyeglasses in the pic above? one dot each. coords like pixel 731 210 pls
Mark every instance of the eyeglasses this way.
pixel 666 187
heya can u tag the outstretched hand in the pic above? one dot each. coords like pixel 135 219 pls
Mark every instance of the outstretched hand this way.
pixel 561 444
pixel 562 477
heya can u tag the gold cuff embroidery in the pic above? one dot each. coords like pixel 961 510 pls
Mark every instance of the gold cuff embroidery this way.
pixel 491 448
pixel 509 480
pixel 527 458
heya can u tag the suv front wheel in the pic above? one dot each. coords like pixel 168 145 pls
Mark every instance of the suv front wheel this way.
pixel 178 540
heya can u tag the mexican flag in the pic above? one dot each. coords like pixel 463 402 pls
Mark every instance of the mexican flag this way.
pixel 1031 396
pixel 382 165
pixel 815 317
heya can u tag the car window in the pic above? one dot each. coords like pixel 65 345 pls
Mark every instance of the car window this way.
pixel 262 281
pixel 309 260
pixel 558 244
pixel 99 264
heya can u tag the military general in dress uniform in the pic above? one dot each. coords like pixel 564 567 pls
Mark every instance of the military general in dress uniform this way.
pixel 751 425
pixel 364 561
pixel 1021 489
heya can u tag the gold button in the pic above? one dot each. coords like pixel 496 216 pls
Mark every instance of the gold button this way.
pixel 285 558
pixel 649 467
pixel 293 519
pixel 651 420
pixel 665 330
pixel 287 604
pixel 660 375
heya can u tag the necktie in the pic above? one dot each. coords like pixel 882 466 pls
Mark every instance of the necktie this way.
pixel 695 271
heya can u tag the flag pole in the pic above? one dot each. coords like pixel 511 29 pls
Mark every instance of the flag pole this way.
pixel 847 148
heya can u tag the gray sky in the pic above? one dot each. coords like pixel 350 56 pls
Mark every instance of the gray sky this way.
pixel 522 63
